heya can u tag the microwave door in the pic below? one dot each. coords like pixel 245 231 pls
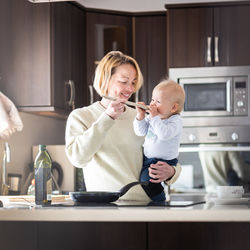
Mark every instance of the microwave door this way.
pixel 207 96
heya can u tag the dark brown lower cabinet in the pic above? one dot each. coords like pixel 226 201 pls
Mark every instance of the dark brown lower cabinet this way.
pixel 18 235
pixel 199 235
pixel 124 235
pixel 92 236
pixel 72 236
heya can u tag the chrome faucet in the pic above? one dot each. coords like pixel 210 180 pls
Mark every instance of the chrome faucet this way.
pixel 6 159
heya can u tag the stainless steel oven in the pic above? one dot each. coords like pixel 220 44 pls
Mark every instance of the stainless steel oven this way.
pixel 217 103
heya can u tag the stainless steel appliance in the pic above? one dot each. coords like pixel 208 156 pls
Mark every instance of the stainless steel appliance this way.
pixel 217 104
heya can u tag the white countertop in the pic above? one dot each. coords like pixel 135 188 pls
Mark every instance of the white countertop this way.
pixel 222 214
pixel 208 212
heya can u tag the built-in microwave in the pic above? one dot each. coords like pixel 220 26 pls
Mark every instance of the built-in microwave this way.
pixel 217 98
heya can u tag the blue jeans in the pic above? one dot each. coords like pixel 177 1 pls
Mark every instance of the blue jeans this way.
pixel 154 190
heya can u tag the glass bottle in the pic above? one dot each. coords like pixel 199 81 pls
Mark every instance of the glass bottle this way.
pixel 43 179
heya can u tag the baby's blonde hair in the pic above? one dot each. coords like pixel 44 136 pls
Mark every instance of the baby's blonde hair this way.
pixel 177 90
pixel 107 67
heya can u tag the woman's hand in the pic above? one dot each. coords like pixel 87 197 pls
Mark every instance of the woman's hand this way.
pixel 160 171
pixel 115 109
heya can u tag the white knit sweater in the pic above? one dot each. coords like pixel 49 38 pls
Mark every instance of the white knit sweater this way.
pixel 108 150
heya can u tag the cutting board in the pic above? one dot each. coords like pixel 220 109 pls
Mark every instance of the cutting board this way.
pixel 31 198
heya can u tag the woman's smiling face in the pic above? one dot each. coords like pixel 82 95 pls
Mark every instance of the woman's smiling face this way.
pixel 122 82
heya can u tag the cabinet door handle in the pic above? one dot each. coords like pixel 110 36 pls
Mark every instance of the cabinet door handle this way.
pixel 216 49
pixel 209 39
pixel 137 96
pixel 71 101
pixel 91 94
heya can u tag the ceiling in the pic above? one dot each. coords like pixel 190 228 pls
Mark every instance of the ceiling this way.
pixel 138 5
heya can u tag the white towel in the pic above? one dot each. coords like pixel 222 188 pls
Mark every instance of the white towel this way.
pixel 10 120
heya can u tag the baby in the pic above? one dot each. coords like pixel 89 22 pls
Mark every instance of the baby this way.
pixel 162 128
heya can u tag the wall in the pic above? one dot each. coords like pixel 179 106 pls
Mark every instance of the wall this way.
pixel 36 130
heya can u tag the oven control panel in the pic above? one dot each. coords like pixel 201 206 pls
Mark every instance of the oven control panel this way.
pixel 230 134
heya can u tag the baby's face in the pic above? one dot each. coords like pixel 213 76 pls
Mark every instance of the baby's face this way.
pixel 164 101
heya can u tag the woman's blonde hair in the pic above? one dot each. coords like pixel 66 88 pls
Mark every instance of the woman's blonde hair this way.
pixel 107 67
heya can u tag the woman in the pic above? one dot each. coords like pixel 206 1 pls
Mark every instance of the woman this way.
pixel 101 138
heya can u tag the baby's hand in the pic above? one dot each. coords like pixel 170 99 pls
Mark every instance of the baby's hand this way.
pixel 140 112
pixel 153 110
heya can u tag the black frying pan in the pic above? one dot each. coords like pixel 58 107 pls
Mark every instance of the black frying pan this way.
pixel 102 197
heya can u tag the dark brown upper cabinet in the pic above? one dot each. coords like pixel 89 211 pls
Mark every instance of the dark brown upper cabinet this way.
pixel 232 31
pixel 68 56
pixel 208 36
pixel 42 55
pixel 150 51
pixel 106 31
pixel 24 52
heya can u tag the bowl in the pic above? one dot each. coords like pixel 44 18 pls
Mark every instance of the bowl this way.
pixel 227 192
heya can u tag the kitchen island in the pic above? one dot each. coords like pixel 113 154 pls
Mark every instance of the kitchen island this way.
pixel 123 226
